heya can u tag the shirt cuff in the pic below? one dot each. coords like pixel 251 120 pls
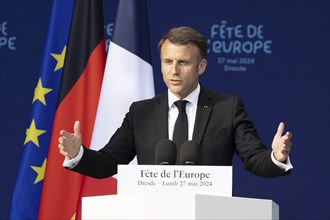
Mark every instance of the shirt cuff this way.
pixel 71 163
pixel 284 166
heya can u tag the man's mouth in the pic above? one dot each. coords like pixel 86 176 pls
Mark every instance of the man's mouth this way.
pixel 175 81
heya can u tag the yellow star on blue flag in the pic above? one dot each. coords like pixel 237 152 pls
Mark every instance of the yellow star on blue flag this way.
pixel 32 134
pixel 40 171
pixel 59 58
pixel 40 92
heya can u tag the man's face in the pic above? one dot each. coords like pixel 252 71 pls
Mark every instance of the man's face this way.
pixel 181 67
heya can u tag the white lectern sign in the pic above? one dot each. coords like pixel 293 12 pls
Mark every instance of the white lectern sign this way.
pixel 208 180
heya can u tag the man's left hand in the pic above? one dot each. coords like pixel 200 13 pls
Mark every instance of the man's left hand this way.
pixel 282 144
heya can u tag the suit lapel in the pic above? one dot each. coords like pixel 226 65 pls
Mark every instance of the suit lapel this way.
pixel 161 113
pixel 204 109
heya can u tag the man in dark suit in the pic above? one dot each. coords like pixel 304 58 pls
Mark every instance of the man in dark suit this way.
pixel 217 122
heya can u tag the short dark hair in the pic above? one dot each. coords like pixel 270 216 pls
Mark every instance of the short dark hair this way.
pixel 185 35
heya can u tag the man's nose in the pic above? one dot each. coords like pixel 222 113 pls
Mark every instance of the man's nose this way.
pixel 174 68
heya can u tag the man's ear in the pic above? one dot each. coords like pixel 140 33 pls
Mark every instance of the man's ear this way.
pixel 202 66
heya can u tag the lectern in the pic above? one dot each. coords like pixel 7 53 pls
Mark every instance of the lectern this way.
pixel 177 206
pixel 186 201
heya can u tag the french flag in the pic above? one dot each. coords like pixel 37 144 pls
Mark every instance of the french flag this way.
pixel 128 73
pixel 128 77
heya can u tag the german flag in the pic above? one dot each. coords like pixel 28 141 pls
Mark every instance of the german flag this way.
pixel 78 99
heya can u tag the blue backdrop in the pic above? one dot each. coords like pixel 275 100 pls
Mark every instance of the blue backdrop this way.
pixel 274 54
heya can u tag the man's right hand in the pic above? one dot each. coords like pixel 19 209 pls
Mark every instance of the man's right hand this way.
pixel 69 143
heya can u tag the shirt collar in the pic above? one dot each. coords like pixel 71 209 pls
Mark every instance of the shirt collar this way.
pixel 191 98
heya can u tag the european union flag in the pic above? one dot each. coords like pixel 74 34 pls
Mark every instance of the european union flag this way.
pixel 27 191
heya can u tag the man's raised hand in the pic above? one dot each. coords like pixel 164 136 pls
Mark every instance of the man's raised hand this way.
pixel 282 144
pixel 69 143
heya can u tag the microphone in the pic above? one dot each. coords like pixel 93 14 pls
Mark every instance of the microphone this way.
pixel 190 153
pixel 165 152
